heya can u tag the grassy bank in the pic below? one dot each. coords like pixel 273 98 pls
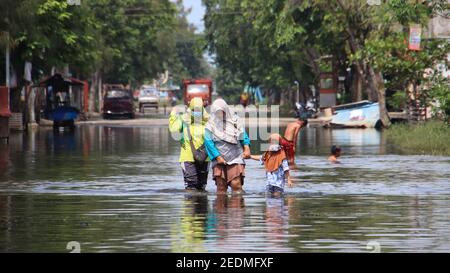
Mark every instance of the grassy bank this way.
pixel 432 137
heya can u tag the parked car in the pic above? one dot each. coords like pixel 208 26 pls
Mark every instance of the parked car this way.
pixel 148 97
pixel 118 102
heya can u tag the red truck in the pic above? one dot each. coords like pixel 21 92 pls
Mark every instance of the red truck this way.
pixel 202 88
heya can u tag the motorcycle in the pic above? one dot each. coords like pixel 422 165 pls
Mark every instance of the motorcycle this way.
pixel 305 111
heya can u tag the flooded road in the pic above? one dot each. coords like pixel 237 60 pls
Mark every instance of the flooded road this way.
pixel 117 188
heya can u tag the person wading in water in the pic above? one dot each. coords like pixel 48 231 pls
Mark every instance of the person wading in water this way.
pixel 193 157
pixel 227 145
pixel 289 141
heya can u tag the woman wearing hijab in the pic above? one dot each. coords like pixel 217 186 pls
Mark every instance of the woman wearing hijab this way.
pixel 227 145
pixel 191 125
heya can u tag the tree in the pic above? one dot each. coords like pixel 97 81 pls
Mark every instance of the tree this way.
pixel 47 33
pixel 112 41
pixel 187 60
pixel 275 41
pixel 271 43
pixel 133 38
pixel 386 48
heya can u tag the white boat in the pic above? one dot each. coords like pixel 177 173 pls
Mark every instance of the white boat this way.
pixel 362 114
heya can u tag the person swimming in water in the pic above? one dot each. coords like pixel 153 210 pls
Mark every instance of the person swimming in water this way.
pixel 335 153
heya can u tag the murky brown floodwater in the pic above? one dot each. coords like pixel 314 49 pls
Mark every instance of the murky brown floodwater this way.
pixel 118 189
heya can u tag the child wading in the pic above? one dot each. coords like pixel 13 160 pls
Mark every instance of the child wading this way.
pixel 277 169
pixel 335 153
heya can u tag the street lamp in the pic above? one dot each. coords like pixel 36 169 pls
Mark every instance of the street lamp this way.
pixel 298 90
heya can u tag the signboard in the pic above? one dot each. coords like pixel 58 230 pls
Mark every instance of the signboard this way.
pixel 415 32
pixel 328 89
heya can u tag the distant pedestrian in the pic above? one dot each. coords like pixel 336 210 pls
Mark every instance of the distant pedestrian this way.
pixel 173 100
pixel 244 99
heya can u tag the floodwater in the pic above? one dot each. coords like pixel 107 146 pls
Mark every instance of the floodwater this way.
pixel 120 189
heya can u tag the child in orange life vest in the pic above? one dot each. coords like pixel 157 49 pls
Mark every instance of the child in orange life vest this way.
pixel 277 169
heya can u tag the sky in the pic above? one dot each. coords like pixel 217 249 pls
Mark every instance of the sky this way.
pixel 197 13
pixel 196 18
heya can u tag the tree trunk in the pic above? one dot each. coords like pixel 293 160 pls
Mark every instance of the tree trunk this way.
pixel 282 98
pixel 292 94
pixel 312 56
pixel 31 102
pixel 277 96
pixel 304 92
pixel 269 97
pixel 378 82
pixel 373 83
pixel 384 116
pixel 100 93
pixel 361 68
pixel 357 85
pixel 92 91
pixel 373 80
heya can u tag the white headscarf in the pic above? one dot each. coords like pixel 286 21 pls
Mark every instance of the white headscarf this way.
pixel 233 126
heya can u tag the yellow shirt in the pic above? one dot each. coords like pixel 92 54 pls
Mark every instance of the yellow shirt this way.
pixel 197 133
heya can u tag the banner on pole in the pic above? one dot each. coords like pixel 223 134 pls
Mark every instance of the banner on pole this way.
pixel 415 32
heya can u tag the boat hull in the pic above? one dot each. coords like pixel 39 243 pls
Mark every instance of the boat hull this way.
pixel 64 113
pixel 359 116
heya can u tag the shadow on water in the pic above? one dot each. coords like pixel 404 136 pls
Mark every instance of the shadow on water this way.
pixel 120 189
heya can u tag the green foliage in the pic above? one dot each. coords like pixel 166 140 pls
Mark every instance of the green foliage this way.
pixel 398 100
pixel 424 138
pixel 127 41
pixel 134 37
pixel 47 33
pixel 387 50
pixel 275 42
pixel 438 93
pixel 407 11
pixel 258 43
pixel 228 85
pixel 187 61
